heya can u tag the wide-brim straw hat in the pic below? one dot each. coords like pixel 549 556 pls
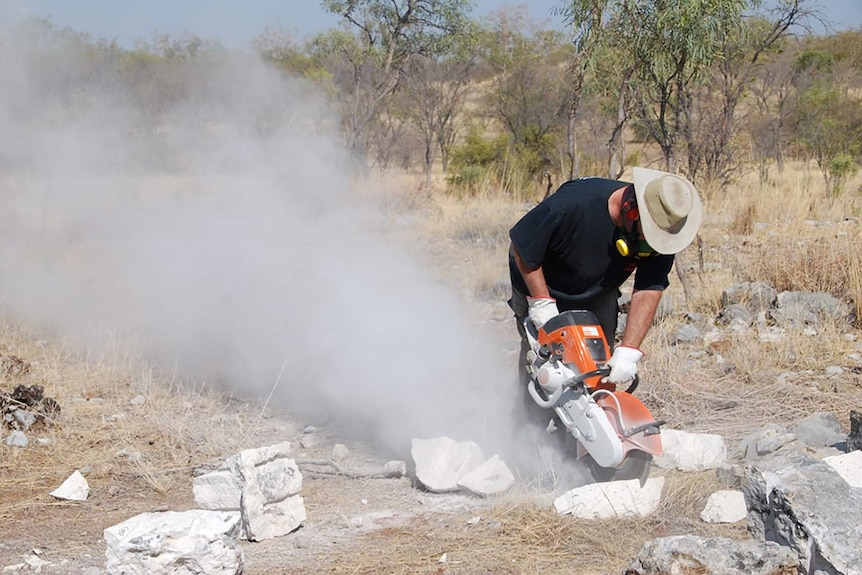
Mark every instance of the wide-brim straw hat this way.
pixel 670 209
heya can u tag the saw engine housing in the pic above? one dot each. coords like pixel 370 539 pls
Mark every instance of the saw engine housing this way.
pixel 615 431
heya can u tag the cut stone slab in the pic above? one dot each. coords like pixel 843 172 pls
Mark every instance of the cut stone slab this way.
pixel 218 490
pixel 491 478
pixel 848 466
pixel 175 543
pixel 726 506
pixel 691 451
pixel 75 488
pixel 263 485
pixel 271 482
pixel 613 500
pixel 442 462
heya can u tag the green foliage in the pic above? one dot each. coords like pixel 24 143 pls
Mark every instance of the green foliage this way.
pixel 530 95
pixel 498 162
pixel 841 168
pixel 472 162
pixel 404 27
pixel 679 39
pixel 674 44
pixel 369 68
pixel 814 62
pixel 827 120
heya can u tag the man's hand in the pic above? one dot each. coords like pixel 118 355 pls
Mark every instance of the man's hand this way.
pixel 623 364
pixel 541 309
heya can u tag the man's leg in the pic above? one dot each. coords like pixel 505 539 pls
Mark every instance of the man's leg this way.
pixel 527 407
pixel 518 303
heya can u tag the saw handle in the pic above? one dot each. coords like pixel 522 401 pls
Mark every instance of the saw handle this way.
pixel 606 371
pixel 572 382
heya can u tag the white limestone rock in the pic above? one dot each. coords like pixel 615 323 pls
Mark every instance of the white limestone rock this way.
pixel 442 461
pixel 691 451
pixel 491 478
pixel 848 466
pixel 614 500
pixel 727 506
pixel 75 488
pixel 175 543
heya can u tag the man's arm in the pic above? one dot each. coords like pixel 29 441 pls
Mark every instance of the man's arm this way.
pixel 641 314
pixel 533 277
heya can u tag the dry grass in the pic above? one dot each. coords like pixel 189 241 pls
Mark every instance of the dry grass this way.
pixel 149 448
pixel 518 536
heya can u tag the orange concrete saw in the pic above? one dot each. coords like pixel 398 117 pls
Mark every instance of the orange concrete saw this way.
pixel 615 432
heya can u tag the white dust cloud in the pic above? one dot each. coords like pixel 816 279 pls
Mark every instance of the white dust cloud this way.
pixel 215 226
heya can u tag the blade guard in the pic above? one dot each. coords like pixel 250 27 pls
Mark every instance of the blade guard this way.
pixel 641 430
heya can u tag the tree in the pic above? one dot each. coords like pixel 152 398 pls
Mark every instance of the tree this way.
pixel 711 121
pixel 389 33
pixel 773 97
pixel 828 119
pixel 435 92
pixel 673 44
pixel 589 21
pixel 528 95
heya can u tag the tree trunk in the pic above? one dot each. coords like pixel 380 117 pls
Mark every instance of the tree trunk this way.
pixel 617 143
pixel 682 263
pixel 572 141
pixel 429 160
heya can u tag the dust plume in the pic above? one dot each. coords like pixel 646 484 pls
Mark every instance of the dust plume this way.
pixel 205 212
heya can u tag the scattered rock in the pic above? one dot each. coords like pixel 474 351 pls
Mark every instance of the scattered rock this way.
pixel 75 488
pixel 726 506
pixel 734 313
pixel 263 485
pixel 754 296
pixel 719 347
pixel 17 439
pixel 848 466
pixel 797 308
pixel 339 452
pixel 854 438
pixel 687 554
pixel 195 541
pixel 768 439
pixel 804 504
pixel 441 462
pixel 613 500
pixel 686 334
pixel 819 430
pixel 26 407
pixel 491 478
pixel 691 451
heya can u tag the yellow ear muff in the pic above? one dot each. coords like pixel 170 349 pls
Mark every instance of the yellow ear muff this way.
pixel 622 247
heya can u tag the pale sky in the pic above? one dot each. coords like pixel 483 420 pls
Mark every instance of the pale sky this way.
pixel 236 22
pixel 231 21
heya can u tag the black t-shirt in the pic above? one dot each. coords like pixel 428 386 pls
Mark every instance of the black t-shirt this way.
pixel 571 235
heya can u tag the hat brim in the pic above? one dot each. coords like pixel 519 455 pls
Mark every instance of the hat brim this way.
pixel 660 240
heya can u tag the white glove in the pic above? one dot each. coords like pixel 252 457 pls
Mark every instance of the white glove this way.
pixel 623 364
pixel 541 309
